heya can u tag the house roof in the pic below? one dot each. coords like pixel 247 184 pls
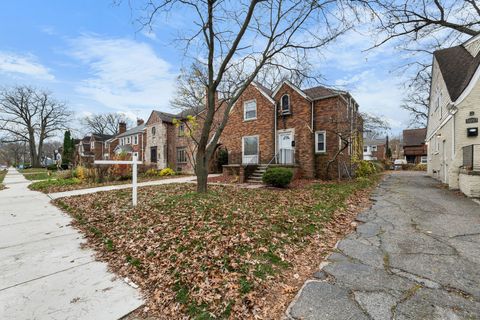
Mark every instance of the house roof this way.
pixel 414 137
pixel 319 92
pixel 457 66
pixel 375 141
pixel 166 117
pixel 102 137
pixel 263 88
pixel 134 130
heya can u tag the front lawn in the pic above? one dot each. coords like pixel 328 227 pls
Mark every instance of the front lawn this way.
pixel 231 253
pixel 67 184
pixel 3 173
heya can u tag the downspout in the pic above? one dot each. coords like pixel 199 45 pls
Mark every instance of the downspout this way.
pixel 275 131
pixel 313 141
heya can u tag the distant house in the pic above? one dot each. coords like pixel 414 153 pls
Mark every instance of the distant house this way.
pixel 414 147
pixel 374 148
pixel 167 144
pixel 82 153
pixel 131 142
pixel 454 110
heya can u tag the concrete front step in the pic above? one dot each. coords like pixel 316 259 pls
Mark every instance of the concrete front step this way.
pixel 254 181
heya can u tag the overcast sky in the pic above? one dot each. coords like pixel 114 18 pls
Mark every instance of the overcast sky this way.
pixel 90 54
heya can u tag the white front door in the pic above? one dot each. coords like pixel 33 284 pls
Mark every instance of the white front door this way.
pixel 285 148
pixel 250 150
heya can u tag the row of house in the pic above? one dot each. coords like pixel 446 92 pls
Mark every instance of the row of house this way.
pixel 308 129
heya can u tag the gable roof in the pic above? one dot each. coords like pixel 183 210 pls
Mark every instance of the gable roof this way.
pixel 134 130
pixel 319 92
pixel 414 137
pixel 101 137
pixel 457 66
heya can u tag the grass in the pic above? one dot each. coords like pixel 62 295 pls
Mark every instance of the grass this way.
pixel 3 173
pixel 54 183
pixel 211 253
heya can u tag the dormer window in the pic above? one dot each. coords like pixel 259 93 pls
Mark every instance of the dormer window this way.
pixel 285 104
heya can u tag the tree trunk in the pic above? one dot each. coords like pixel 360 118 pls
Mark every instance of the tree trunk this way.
pixel 201 171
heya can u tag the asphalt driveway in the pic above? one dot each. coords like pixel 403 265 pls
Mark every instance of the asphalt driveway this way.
pixel 415 256
pixel 44 272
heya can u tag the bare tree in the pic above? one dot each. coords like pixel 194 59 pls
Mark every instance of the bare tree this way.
pixel 420 27
pixel 32 116
pixel 233 41
pixel 12 153
pixel 104 123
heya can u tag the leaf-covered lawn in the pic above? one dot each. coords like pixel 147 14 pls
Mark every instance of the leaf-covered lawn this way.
pixel 214 255
pixel 61 185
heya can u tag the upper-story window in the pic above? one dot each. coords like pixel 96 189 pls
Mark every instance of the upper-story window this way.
pixel 374 148
pixel 135 139
pixel 250 110
pixel 153 131
pixel 285 103
pixel 129 140
pixel 181 129
pixel 365 148
pixel 92 145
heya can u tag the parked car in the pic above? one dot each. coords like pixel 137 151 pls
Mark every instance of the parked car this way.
pixel 397 164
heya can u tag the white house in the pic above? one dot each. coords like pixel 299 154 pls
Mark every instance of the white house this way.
pixel 452 131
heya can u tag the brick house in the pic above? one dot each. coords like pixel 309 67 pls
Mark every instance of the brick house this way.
pixel 414 147
pixel 132 141
pixel 168 144
pixel 306 129
pixel 82 154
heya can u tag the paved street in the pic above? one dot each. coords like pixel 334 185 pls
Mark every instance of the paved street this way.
pixel 415 256
pixel 44 274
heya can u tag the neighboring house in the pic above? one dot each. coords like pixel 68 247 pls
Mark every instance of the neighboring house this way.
pixel 131 142
pixel 374 148
pixel 306 129
pixel 452 132
pixel 414 147
pixel 99 147
pixel 167 144
pixel 82 155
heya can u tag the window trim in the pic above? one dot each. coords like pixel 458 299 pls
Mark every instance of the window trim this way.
pixel 289 104
pixel 245 110
pixel 154 130
pixel 324 141
pixel 184 149
pixel 135 139
pixel 181 129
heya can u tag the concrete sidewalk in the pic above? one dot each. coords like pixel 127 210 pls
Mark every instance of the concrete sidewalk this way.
pixel 44 274
pixel 189 179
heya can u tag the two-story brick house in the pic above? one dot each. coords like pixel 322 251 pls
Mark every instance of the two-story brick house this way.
pixel 311 129
pixel 131 141
pixel 167 144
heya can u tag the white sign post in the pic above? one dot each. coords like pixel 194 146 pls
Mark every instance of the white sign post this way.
pixel 134 162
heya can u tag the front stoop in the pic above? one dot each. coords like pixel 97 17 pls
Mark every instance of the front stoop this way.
pixel 256 176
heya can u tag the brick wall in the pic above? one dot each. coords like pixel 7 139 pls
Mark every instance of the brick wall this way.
pixel 262 126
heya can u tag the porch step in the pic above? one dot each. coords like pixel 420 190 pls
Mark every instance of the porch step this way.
pixel 253 181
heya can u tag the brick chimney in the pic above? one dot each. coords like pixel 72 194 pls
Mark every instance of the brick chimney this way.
pixel 122 127
pixel 140 122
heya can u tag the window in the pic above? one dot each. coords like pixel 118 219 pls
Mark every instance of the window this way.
pixel 128 140
pixel 92 145
pixel 181 129
pixel 250 146
pixel 320 139
pixel 153 154
pixel 250 110
pixel 374 148
pixel 365 148
pixel 135 154
pixel 153 131
pixel 135 139
pixel 285 104
pixel 423 159
pixel 181 155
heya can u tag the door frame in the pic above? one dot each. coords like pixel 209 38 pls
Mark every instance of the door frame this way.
pixel 290 131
